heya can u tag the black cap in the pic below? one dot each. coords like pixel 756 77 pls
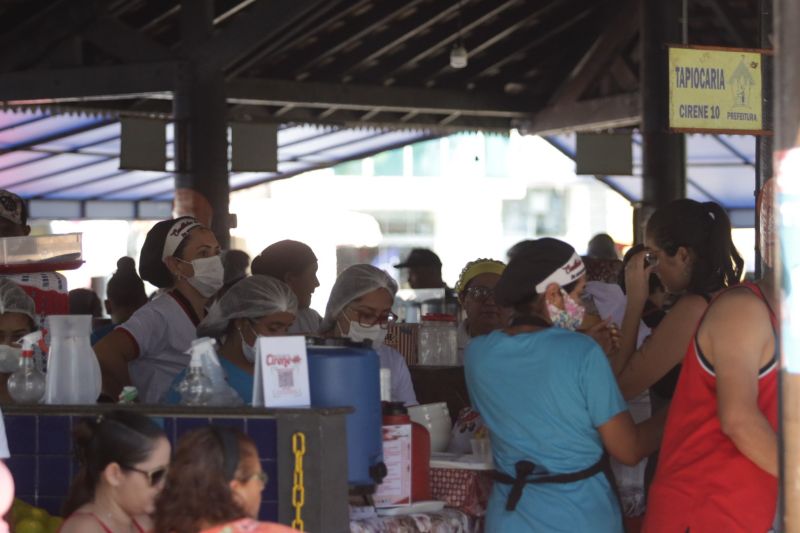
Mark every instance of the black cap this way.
pixel 530 265
pixel 420 257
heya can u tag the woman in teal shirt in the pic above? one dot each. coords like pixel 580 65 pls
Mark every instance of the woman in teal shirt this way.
pixel 551 403
pixel 258 306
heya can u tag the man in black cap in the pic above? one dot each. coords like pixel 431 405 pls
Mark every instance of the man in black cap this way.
pixel 425 272
pixel 424 269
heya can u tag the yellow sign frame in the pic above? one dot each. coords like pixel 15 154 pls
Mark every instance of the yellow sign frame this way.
pixel 716 90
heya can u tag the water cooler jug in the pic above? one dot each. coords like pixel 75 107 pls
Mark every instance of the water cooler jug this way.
pixel 344 373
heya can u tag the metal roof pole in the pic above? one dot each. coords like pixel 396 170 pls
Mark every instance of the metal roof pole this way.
pixel 663 153
pixel 764 142
pixel 201 131
pixel 786 86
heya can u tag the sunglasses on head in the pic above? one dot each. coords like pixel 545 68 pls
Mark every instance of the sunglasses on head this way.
pixel 154 477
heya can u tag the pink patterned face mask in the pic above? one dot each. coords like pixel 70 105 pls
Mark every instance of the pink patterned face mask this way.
pixel 570 317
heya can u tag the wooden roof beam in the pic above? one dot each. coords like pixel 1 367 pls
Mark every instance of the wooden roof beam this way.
pixel 728 19
pixel 367 97
pixel 249 30
pixel 618 32
pixel 587 115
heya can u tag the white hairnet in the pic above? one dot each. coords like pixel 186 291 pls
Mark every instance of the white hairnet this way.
pixel 15 300
pixel 355 282
pixel 253 298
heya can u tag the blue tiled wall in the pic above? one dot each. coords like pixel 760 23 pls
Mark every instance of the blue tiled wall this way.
pixel 42 464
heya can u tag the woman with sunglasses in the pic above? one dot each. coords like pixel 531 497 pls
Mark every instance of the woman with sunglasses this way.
pixel 360 308
pixel 123 457
pixel 214 486
pixel 258 306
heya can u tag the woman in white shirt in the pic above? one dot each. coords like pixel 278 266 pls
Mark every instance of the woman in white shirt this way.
pixel 360 308
pixel 148 350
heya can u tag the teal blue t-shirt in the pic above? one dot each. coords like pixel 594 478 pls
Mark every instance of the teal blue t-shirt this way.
pixel 241 381
pixel 543 395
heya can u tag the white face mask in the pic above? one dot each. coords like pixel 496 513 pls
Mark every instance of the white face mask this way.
pixel 248 351
pixel 209 275
pixel 9 358
pixel 360 333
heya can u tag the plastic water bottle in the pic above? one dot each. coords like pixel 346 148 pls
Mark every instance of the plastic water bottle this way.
pixel 196 387
pixel 222 393
pixel 27 383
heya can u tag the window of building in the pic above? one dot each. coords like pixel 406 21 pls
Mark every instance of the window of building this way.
pixel 496 148
pixel 405 223
pixel 350 168
pixel 541 212
pixel 428 158
pixel 389 163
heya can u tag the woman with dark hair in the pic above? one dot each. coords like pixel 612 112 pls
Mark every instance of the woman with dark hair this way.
pixel 295 264
pixel 551 403
pixel 123 458
pixel 149 349
pixel 124 296
pixel 689 248
pixel 214 485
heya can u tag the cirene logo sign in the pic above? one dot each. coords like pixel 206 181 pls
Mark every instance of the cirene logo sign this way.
pixel 715 90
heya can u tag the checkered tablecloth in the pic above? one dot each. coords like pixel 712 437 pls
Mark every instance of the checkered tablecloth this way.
pixel 465 490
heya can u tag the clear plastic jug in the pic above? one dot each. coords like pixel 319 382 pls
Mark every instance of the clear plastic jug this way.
pixel 73 373
pixel 438 341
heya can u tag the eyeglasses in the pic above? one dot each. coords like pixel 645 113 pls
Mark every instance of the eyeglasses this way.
pixel 480 293
pixel 260 476
pixel 370 318
pixel 154 477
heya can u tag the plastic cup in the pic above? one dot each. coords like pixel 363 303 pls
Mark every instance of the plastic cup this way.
pixel 481 449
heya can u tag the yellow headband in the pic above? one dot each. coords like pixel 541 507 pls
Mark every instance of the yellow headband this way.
pixel 476 268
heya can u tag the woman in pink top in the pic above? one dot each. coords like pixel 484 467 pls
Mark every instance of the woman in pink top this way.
pixel 124 458
pixel 214 486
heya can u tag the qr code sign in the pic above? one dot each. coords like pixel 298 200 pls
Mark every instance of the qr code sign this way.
pixel 285 378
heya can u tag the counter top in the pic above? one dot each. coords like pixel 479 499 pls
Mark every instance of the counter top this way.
pixel 171 410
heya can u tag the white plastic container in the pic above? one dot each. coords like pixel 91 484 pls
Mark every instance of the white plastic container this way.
pixel 73 373
pixel 42 248
pixel 438 342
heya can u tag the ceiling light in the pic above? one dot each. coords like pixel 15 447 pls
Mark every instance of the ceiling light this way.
pixel 458 55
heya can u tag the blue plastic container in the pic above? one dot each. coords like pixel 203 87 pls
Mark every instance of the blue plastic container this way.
pixel 344 374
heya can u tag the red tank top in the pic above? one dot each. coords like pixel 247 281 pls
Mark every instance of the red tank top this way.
pixel 703 483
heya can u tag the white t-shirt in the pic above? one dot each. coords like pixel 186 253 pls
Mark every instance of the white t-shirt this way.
pixel 402 388
pixel 306 322
pixel 163 331
pixel 4 453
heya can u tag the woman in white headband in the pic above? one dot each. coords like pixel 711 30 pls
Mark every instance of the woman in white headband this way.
pixel 147 351
pixel 551 402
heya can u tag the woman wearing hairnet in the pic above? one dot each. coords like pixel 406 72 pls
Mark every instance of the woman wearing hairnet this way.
pixel 360 307
pixel 258 306
pixel 17 319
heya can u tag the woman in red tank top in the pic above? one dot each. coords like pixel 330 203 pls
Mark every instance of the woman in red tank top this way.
pixel 124 457
pixel 719 457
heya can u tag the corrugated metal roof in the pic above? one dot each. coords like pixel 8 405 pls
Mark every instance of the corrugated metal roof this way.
pixel 76 158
